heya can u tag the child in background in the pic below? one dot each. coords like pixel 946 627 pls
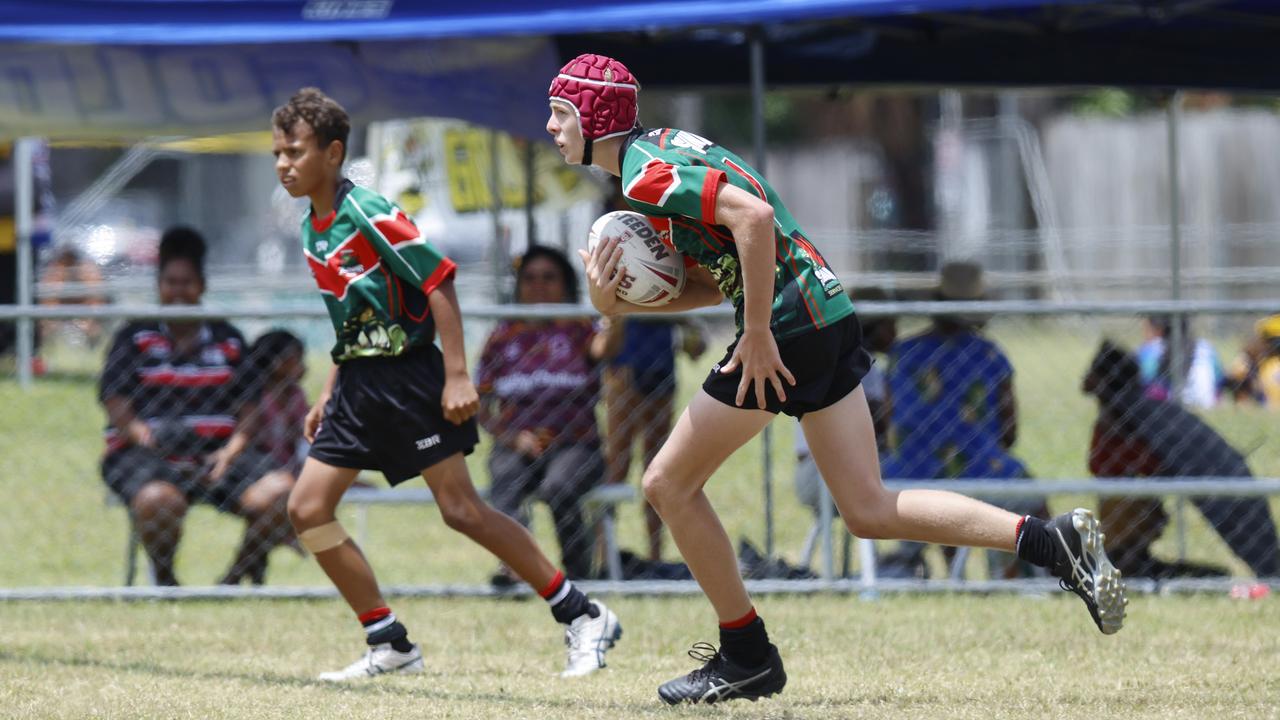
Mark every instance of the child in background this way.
pixel 277 359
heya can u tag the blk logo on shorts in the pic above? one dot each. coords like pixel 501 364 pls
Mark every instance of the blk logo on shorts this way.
pixel 428 442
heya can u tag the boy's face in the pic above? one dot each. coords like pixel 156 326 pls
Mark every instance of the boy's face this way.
pixel 563 126
pixel 302 166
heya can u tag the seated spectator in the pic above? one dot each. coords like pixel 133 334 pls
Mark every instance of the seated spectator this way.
pixel 179 427
pixel 272 373
pixel 1203 371
pixel 954 414
pixel 1255 375
pixel 639 390
pixel 277 365
pixel 539 384
pixel 1138 436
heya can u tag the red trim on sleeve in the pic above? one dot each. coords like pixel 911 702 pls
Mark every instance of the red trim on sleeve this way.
pixel 710 190
pixel 443 272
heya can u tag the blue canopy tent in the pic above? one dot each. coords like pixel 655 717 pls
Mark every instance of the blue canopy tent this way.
pixel 129 68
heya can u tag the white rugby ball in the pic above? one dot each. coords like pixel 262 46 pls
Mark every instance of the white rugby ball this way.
pixel 654 272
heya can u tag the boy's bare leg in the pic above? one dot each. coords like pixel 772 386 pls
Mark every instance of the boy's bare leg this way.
pixel 706 434
pixel 313 503
pixel 464 510
pixel 842 440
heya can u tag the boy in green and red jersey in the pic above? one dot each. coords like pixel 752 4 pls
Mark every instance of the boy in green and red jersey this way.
pixel 394 401
pixel 798 351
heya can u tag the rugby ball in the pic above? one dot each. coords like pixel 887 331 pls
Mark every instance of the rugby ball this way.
pixel 654 271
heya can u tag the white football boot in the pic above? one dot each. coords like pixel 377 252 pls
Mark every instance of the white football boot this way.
pixel 379 660
pixel 588 639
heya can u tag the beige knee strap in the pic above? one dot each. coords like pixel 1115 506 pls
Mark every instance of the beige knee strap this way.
pixel 323 537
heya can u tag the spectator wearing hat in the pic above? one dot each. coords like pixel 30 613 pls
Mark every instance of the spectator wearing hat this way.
pixel 954 413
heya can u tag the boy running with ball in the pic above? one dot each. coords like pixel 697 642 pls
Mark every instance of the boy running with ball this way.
pixel 798 351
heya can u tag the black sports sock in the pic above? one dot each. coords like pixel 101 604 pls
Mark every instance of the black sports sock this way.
pixel 1034 543
pixel 747 645
pixel 381 626
pixel 567 602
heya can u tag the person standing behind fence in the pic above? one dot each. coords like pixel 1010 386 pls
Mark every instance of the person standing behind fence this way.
pixel 1202 371
pixel 799 350
pixel 640 389
pixel 181 423
pixel 1166 440
pixel 539 381
pixel 393 400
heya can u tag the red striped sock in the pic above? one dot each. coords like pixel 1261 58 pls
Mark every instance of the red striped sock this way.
pixel 741 622
pixel 373 615
pixel 552 587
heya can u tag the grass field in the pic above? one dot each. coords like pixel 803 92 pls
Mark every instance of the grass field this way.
pixel 904 657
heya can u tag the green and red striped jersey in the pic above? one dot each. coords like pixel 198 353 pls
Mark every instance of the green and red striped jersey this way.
pixel 673 176
pixel 375 271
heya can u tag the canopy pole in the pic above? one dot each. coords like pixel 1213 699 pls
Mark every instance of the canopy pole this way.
pixel 500 268
pixel 530 189
pixel 1175 342
pixel 758 144
pixel 23 198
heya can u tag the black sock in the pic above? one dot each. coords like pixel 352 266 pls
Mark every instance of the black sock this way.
pixel 1034 543
pixel 747 645
pixel 381 626
pixel 567 602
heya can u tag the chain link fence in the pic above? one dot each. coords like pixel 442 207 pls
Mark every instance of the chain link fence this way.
pixel 117 470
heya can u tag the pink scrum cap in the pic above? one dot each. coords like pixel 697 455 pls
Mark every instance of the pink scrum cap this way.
pixel 602 93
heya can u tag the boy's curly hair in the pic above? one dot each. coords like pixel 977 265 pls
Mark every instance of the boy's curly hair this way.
pixel 328 119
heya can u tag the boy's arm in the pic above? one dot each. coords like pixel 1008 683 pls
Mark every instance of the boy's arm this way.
pixel 750 220
pixel 459 400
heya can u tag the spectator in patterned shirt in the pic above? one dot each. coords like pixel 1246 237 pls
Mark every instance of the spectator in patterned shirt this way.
pixel 179 424
pixel 539 383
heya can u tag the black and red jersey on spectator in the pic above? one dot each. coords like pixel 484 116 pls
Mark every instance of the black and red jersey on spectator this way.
pixel 190 400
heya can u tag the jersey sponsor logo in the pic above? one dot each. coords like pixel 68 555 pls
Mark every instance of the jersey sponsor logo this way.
pixel 689 141
pixel 645 232
pixel 831 285
pixel 427 443
pixel 655 183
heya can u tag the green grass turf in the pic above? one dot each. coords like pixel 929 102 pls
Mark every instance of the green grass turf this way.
pixel 900 657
